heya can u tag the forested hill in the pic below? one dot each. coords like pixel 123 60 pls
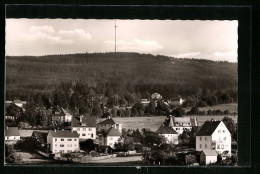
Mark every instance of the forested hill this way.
pixel 120 69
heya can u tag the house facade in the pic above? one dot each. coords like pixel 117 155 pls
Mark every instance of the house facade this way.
pixel 156 96
pixel 12 134
pixel 111 137
pixel 57 117
pixel 85 126
pixel 214 135
pixel 179 124
pixel 169 133
pixel 63 141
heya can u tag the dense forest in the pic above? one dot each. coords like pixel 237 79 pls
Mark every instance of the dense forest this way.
pixel 119 73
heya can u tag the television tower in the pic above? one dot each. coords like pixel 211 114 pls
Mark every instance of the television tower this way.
pixel 115 35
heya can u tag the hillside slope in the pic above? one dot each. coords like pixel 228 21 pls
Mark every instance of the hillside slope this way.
pixel 46 71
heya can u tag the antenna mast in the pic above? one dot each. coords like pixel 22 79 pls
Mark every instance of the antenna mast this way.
pixel 115 35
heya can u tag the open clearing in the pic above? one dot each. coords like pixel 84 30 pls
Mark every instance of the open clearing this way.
pixel 154 122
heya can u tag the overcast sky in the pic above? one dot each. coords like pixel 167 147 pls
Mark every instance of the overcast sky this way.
pixel 214 40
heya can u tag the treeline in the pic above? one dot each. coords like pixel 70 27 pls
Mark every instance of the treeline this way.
pixel 136 73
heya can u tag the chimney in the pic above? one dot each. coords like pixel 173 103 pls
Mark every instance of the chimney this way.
pixel 109 117
pixel 54 130
pixel 171 121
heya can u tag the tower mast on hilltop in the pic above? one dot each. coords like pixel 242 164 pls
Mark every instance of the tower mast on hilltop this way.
pixel 115 35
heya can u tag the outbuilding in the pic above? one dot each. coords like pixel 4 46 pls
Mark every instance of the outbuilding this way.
pixel 208 157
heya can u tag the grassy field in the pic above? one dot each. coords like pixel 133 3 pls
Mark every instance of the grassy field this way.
pixel 155 122
pixel 232 107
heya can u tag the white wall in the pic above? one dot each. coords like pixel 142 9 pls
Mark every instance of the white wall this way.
pixel 203 143
pixel 211 159
pixel 12 137
pixel 171 138
pixel 86 132
pixel 222 137
pixel 65 146
pixel 111 140
pixel 180 129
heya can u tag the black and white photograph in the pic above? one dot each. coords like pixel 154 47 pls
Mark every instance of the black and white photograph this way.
pixel 121 92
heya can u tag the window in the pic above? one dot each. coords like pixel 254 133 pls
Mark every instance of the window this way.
pixel 14 137
pixel 225 138
pixel 84 129
pixel 89 129
pixel 205 138
pixel 69 145
pixel 206 145
pixel 218 147
pixel 75 139
pixel 92 135
pixel 8 138
pixel 223 131
pixel 222 146
pixel 200 138
pixel 62 145
pixel 219 131
pixel 83 135
pixel 55 139
pixel 200 145
pixel 62 139
pixel 56 145
pixel 69 139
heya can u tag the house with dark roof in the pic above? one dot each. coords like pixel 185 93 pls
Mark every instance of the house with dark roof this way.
pixel 208 157
pixel 12 134
pixel 85 126
pixel 110 137
pixel 169 133
pixel 214 135
pixel 62 141
pixel 179 124
pixel 108 123
pixel 57 117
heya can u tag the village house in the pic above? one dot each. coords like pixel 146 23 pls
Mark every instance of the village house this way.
pixel 169 133
pixel 111 137
pixel 214 135
pixel 108 123
pixel 208 157
pixel 179 124
pixel 85 126
pixel 177 101
pixel 57 117
pixel 40 137
pixel 145 102
pixel 156 96
pixel 62 141
pixel 19 103
pixel 68 116
pixel 12 134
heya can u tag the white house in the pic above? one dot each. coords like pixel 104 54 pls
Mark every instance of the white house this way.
pixel 108 123
pixel 208 157
pixel 68 116
pixel 111 137
pixel 179 124
pixel 62 141
pixel 169 133
pixel 145 102
pixel 12 134
pixel 156 96
pixel 214 135
pixel 85 126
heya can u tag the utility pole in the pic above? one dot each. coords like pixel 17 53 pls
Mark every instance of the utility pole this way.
pixel 115 36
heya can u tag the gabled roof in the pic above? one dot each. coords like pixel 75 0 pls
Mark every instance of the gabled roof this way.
pixel 163 129
pixel 210 152
pixel 87 121
pixel 108 121
pixel 12 131
pixel 112 132
pixel 208 128
pixel 40 136
pixel 63 133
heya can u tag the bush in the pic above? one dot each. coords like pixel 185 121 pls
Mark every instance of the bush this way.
pixel 28 144
pixel 11 156
pixel 190 159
